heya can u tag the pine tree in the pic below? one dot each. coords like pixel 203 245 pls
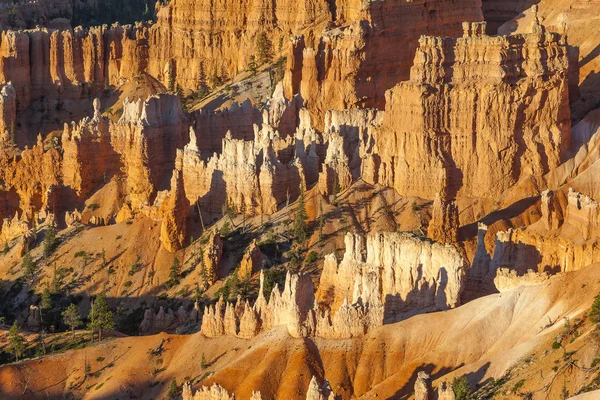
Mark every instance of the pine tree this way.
pixel 595 311
pixel 300 221
pixel 252 65
pixel 16 342
pixel 173 389
pixel 46 303
pixel 101 316
pixel 29 267
pixel 203 363
pixel 174 273
pixel 263 48
pixel 49 241
pixel 71 318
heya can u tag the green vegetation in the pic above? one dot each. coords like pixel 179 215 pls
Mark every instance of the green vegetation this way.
pixel 71 318
pixel 595 310
pixel 173 389
pixel 174 274
pixel 16 342
pixel 461 388
pixel 50 241
pixel 29 267
pixel 101 316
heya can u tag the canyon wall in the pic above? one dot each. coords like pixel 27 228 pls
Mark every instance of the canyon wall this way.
pixel 377 40
pixel 415 275
pixel 488 111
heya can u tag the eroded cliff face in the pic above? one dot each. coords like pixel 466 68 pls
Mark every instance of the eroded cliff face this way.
pixel 355 64
pixel 404 273
pixel 8 112
pixel 488 111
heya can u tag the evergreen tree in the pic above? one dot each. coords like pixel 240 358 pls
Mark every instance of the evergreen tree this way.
pixel 300 221
pixel 461 388
pixel 595 311
pixel 252 65
pixel 29 267
pixel 71 317
pixel 101 316
pixel 16 342
pixel 173 389
pixel 203 363
pixel 46 303
pixel 263 48
pixel 174 273
pixel 49 241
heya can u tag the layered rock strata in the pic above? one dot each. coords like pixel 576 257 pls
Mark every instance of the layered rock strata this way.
pixel 337 71
pixel 415 275
pixel 510 90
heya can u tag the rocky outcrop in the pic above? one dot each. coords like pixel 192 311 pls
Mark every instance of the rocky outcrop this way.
pixel 294 308
pixel 462 90
pixel 583 214
pixel 147 137
pixel 445 392
pixel 88 156
pixel 414 275
pixel 508 279
pixel 8 112
pixel 252 261
pixel 166 321
pixel 335 71
pixel 33 175
pixel 444 224
pixel 174 210
pixel 215 392
pixel 423 386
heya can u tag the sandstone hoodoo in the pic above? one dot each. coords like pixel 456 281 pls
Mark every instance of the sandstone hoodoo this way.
pixel 321 200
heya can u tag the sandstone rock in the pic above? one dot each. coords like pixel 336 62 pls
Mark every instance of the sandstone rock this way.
pixel 166 321
pixel 8 112
pixel 445 392
pixel 551 212
pixel 215 392
pixel 395 259
pixel 508 279
pixel 444 224
pixel 583 214
pixel 423 386
pixel 459 74
pixel 34 319
pixel 252 261
pixel 147 137
pixel 174 211
pixel 89 159
pixel 338 75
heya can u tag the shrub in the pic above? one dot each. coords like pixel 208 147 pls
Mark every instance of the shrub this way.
pixel 461 388
pixel 556 345
pixel 595 310
pixel 225 230
pixel 311 258
pixel 173 389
